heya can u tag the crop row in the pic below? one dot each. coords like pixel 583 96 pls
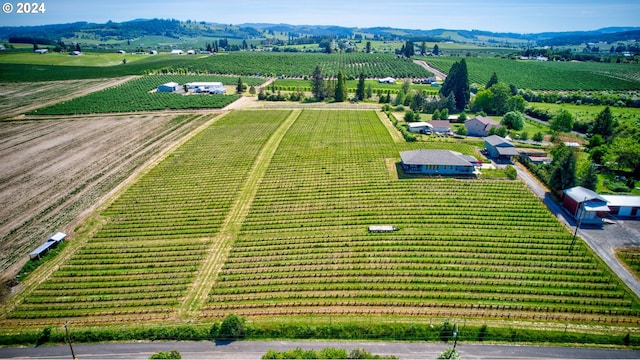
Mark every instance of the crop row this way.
pixel 460 240
pixel 300 65
pixel 537 75
pixel 136 95
pixel 139 260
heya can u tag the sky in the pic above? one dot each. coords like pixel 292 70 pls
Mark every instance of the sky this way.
pixel 518 16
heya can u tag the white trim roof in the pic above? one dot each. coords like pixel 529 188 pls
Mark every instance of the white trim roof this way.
pixel 622 200
pixel 580 194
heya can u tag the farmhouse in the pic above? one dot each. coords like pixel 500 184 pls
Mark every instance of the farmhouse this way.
pixel 387 80
pixel 623 205
pixel 441 126
pixel 436 162
pixel 499 148
pixel 168 87
pixel 420 127
pixel 480 126
pixel 51 243
pixel 208 87
pixel 585 204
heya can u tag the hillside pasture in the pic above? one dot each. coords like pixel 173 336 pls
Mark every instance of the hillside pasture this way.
pixel 547 75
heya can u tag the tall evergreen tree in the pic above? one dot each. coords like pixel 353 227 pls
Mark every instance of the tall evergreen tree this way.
pixel 590 178
pixel 317 84
pixel 341 88
pixel 603 125
pixel 360 87
pixel 457 83
pixel 492 81
pixel 563 169
pixel 240 86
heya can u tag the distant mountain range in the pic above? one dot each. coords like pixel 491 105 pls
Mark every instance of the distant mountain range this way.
pixel 179 29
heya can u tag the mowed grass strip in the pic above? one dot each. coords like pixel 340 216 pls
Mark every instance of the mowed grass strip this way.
pixel 157 233
pixel 475 248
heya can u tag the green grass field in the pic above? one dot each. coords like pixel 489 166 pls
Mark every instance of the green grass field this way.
pixel 291 194
pixel 588 113
pixel 537 75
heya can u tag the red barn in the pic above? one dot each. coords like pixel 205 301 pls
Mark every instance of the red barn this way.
pixel 585 204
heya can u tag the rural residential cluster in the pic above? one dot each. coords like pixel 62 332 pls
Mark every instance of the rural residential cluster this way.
pixel 183 180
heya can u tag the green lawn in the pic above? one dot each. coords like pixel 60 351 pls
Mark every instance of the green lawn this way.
pixel 588 113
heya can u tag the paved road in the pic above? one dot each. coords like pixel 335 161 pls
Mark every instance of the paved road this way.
pixel 435 71
pixel 253 350
pixel 603 240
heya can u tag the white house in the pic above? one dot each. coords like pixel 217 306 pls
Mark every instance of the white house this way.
pixel 177 52
pixel 441 126
pixel 168 87
pixel 387 80
pixel 437 162
pixel 420 127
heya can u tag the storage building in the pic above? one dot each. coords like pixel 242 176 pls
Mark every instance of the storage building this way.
pixel 499 148
pixel 51 243
pixel 623 205
pixel 585 205
pixel 168 87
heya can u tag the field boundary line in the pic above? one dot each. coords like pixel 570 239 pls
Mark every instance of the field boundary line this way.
pixel 393 132
pixel 223 241
pixel 90 221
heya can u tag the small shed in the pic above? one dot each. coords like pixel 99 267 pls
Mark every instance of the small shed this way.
pixel 585 204
pixel 51 243
pixel 168 87
pixel 623 205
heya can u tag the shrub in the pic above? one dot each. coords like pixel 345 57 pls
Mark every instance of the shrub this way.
pixel 446 333
pixel 173 354
pixel 232 327
pixel 511 172
pixel 449 354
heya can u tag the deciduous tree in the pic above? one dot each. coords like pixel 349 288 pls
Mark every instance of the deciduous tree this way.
pixel 513 120
pixel 562 121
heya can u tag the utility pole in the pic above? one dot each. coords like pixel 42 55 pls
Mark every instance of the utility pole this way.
pixel 578 221
pixel 66 329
